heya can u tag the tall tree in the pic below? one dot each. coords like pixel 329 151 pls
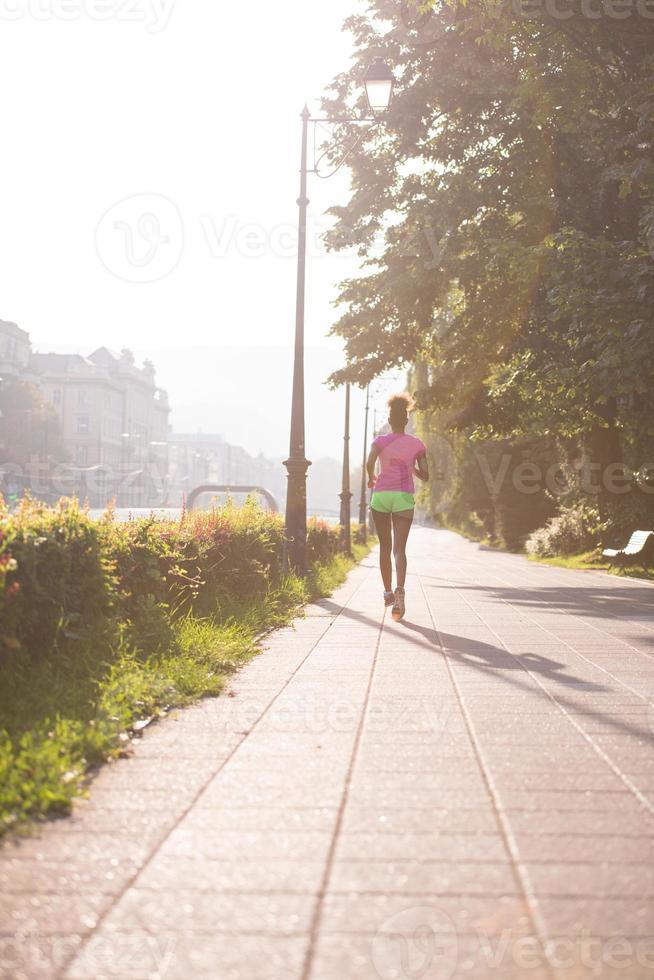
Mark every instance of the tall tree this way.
pixel 29 427
pixel 505 213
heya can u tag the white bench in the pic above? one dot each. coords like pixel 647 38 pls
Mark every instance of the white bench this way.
pixel 636 550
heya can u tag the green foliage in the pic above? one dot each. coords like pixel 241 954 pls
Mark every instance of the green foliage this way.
pixel 57 588
pixel 29 426
pixel 494 490
pixel 574 530
pixel 322 543
pixel 67 581
pixel 509 197
pixel 593 561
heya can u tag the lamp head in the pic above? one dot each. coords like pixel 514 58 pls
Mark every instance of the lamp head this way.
pixel 379 82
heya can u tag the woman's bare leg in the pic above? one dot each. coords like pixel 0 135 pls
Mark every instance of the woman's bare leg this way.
pixel 401 526
pixel 383 527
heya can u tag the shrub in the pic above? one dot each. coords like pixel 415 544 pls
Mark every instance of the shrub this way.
pixel 574 530
pixel 67 580
pixel 56 587
pixel 322 541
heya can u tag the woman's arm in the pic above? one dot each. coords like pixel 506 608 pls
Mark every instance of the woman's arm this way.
pixel 422 469
pixel 370 466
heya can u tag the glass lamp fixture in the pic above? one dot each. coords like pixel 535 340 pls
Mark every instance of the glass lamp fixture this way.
pixel 379 82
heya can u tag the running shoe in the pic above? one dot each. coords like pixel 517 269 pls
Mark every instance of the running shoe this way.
pixel 398 605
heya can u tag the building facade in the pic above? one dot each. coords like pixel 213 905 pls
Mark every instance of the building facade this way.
pixel 15 350
pixel 114 419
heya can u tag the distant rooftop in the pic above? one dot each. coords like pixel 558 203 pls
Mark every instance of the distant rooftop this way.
pixel 13 330
pixel 62 363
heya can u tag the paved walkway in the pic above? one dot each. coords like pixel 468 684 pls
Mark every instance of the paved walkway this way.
pixel 467 794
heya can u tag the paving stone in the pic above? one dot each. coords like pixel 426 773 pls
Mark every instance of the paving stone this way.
pixel 635 823
pixel 146 824
pixel 170 956
pixel 34 876
pixel 243 874
pixel 604 917
pixel 321 793
pixel 187 841
pixel 596 801
pixel 564 848
pixel 469 914
pixel 25 914
pixel 386 820
pixel 425 847
pixel 37 957
pixel 339 956
pixel 592 879
pixel 273 819
pixel 424 877
pixel 123 799
pixel 184 911
pixel 101 848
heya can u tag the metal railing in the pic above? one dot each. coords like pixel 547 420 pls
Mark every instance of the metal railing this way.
pixel 217 488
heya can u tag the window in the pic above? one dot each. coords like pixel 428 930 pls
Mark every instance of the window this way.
pixel 82 455
pixel 81 397
pixel 56 397
pixel 83 425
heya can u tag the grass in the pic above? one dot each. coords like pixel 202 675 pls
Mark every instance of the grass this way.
pixel 60 720
pixel 592 560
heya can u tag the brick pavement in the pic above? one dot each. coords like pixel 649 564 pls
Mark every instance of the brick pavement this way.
pixel 467 794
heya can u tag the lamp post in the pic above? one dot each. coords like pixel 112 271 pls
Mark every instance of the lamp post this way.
pixel 363 500
pixel 297 464
pixel 346 493
pixel 378 82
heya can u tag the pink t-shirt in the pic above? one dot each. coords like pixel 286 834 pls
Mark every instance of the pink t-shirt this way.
pixel 398 453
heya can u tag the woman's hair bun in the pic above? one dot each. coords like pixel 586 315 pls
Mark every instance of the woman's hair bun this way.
pixel 401 407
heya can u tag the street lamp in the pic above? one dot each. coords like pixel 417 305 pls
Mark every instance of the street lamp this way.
pixel 379 83
pixel 346 493
pixel 363 500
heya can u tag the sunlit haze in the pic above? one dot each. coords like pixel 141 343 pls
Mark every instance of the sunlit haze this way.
pixel 193 110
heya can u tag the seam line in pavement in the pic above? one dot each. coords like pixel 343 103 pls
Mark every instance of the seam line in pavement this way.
pixel 577 653
pixel 314 929
pixel 184 813
pixel 522 878
pixel 642 799
pixel 635 602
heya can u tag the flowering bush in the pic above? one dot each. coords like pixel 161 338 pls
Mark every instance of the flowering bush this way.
pixel 65 578
pixel 322 541
pixel 574 530
pixel 56 581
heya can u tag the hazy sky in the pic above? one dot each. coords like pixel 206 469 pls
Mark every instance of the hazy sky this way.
pixel 147 199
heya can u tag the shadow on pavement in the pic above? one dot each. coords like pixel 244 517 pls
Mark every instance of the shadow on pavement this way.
pixel 574 600
pixel 501 663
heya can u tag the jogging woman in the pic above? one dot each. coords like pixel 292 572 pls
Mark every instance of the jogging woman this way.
pixel 401 457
